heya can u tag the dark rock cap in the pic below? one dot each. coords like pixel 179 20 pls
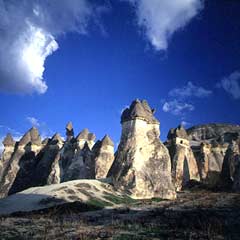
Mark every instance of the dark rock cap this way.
pixel 107 141
pixel 86 135
pixel 83 134
pixel 8 140
pixel 35 137
pixel 139 109
pixel 25 139
pixel 177 132
pixel 69 130
pixel 91 137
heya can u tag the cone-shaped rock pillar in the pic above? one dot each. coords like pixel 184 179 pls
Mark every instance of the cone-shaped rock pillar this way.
pixel 142 166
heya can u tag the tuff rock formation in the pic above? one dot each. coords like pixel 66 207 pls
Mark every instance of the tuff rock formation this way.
pixel 48 164
pixel 219 132
pixel 18 172
pixel 103 152
pixel 9 145
pixel 142 166
pixel 85 137
pixel 184 165
pixel 230 169
pixel 76 160
pixel 69 131
pixel 209 143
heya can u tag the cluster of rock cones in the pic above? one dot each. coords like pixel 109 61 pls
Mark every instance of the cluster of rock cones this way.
pixel 142 166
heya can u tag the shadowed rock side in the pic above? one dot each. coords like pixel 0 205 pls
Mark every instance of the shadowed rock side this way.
pixel 18 173
pixel 142 166
pixel 30 162
pixel 230 169
pixel 47 170
pixel 76 161
pixel 210 160
pixel 184 165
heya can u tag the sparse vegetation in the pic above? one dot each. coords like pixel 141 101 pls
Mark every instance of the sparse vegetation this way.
pixel 119 199
pixel 98 203
pixel 197 215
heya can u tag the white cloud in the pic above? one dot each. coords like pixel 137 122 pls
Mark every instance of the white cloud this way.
pixel 185 123
pixel 33 121
pixel 29 29
pixel 160 19
pixel 231 84
pixel 177 102
pixel 177 108
pixel 190 90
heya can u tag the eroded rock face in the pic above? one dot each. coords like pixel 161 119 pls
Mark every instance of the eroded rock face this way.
pixel 76 159
pixel 103 153
pixel 230 168
pixel 210 161
pixel 47 170
pixel 218 132
pixel 142 166
pixel 184 164
pixel 85 136
pixel 69 131
pixel 18 174
pixel 209 143
pixel 9 145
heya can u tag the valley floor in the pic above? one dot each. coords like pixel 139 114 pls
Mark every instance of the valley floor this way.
pixel 193 215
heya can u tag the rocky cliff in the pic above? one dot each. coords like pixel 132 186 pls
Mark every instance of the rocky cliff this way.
pixel 142 166
pixel 209 143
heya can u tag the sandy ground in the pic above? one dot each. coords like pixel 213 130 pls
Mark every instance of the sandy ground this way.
pixel 193 215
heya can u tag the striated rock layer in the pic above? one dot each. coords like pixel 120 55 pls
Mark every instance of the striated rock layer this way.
pixel 142 166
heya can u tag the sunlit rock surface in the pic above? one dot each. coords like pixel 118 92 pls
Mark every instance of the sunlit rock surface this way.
pixel 142 166
pixel 103 154
pixel 184 164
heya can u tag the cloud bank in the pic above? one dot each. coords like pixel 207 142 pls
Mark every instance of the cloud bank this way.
pixel 190 90
pixel 28 33
pixel 178 98
pixel 160 19
pixel 33 121
pixel 176 107
pixel 231 84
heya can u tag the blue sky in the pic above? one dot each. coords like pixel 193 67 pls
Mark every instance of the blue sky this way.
pixel 97 58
